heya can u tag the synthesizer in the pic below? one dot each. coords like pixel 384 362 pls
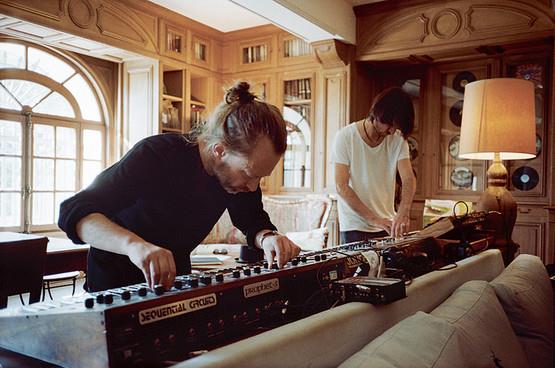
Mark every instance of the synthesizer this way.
pixel 134 326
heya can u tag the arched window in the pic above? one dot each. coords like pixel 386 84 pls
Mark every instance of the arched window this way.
pixel 52 134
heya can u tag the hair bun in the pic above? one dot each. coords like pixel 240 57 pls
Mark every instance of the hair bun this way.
pixel 239 93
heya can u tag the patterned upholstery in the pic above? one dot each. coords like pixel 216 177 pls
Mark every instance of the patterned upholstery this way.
pixel 304 214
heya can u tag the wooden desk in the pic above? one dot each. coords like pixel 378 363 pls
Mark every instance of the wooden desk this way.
pixel 64 256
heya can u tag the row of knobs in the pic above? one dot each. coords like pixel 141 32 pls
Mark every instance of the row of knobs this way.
pixel 193 282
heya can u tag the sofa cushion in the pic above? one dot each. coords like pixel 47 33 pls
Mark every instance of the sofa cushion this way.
pixel 469 329
pixel 525 293
pixel 479 317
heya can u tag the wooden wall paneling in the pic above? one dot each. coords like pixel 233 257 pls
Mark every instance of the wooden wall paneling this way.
pixel 390 31
pixel 529 233
pixel 107 21
pixel 141 99
pixel 334 93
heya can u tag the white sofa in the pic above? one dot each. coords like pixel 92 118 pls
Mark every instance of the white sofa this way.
pixel 475 315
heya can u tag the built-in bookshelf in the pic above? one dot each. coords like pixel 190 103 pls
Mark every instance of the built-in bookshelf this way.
pixel 295 47
pixel 172 104
pixel 255 54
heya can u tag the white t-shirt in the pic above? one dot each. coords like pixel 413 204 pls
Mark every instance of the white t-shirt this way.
pixel 372 174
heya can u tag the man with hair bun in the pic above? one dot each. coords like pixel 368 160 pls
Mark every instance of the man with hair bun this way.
pixel 145 214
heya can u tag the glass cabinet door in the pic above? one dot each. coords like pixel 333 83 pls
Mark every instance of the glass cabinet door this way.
pixel 526 177
pixel 456 174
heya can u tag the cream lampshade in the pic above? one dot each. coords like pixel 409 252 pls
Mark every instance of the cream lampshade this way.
pixel 498 123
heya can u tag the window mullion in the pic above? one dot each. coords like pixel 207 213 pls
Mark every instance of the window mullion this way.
pixel 27 159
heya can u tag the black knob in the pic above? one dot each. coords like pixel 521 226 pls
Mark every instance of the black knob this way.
pixel 294 261
pixel 89 302
pixel 317 258
pixel 256 269
pixel 247 271
pixel 219 277
pixel 178 284
pixel 100 298
pixel 303 259
pixel 142 291
pixel 236 274
pixel 126 295
pixel 274 266
pixel 324 257
pixel 265 264
pixel 109 298
pixel 192 282
pixel 159 290
pixel 206 279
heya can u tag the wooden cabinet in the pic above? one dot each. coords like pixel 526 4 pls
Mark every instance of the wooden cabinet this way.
pixel 186 98
pixel 201 51
pixel 172 106
pixel 255 53
pixel 173 41
pixel 293 50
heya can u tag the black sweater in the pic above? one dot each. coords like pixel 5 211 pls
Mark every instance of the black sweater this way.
pixel 160 191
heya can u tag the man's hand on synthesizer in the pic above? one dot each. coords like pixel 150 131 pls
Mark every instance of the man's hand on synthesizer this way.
pixel 278 247
pixel 156 263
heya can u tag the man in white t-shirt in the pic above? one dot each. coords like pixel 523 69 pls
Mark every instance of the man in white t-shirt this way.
pixel 367 156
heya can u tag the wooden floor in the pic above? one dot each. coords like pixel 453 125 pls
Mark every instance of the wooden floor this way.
pixel 57 293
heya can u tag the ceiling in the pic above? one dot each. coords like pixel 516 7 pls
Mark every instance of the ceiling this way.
pixel 224 15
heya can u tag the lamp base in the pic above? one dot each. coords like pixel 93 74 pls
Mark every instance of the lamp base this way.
pixel 498 199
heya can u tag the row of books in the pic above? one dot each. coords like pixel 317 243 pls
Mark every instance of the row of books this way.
pixel 295 47
pixel 298 89
pixel 254 54
pixel 174 42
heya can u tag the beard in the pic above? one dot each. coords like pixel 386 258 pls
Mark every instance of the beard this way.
pixel 223 173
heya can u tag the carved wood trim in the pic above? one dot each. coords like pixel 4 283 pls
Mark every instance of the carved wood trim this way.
pixel 436 27
pixel 138 36
pixel 27 6
pixel 81 13
pixel 331 53
pixel 397 32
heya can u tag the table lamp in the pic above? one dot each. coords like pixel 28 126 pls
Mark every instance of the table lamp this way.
pixel 498 123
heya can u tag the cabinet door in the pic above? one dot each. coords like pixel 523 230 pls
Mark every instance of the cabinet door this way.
pixel 527 178
pixel 456 176
pixel 254 54
pixel 172 103
pixel 173 41
pixel 200 51
pixel 293 50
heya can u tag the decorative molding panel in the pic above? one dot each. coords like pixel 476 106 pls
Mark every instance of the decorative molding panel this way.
pixel 331 53
pixel 398 32
pixel 81 13
pixel 52 9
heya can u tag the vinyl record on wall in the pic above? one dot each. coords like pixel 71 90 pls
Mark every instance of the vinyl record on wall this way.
pixel 413 147
pixel 455 113
pixel 531 72
pixel 525 178
pixel 461 80
pixel 462 177
pixel 454 147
